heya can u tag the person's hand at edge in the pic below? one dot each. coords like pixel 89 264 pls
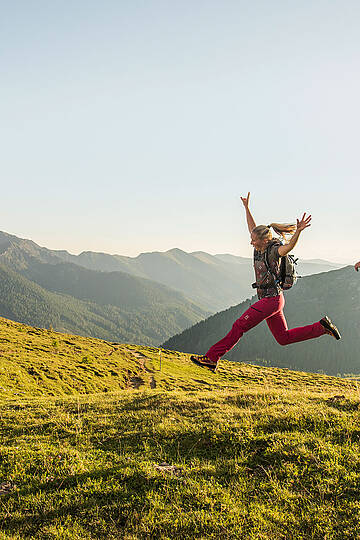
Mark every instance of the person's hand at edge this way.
pixel 303 223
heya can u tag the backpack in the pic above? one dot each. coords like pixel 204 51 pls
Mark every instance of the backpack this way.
pixel 287 274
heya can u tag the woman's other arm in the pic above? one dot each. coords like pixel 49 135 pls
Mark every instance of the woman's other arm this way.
pixel 301 224
pixel 250 220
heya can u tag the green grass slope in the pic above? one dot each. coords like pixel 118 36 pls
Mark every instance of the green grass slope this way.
pixel 38 362
pixel 101 440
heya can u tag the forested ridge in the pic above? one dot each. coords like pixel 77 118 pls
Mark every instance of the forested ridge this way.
pixel 25 301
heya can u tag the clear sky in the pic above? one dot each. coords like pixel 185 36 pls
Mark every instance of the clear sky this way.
pixel 130 126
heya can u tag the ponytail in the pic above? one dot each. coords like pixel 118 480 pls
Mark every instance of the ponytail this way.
pixel 281 229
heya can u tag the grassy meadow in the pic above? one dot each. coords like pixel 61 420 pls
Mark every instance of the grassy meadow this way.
pixel 107 440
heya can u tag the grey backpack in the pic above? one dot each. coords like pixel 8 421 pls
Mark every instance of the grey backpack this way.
pixel 287 274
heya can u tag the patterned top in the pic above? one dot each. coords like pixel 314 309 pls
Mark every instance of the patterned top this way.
pixel 262 275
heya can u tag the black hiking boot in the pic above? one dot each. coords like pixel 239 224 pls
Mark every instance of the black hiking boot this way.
pixel 330 327
pixel 205 362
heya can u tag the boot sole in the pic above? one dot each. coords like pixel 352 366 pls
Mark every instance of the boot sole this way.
pixel 211 368
pixel 330 326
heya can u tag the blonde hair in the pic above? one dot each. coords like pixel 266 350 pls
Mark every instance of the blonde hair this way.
pixel 281 229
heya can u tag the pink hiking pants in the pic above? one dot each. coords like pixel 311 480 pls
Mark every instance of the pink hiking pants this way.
pixel 270 309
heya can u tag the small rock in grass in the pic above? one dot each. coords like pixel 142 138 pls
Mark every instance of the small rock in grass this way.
pixel 171 469
pixel 334 399
pixel 6 487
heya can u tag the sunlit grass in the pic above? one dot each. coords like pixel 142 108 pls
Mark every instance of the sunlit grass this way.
pixel 256 452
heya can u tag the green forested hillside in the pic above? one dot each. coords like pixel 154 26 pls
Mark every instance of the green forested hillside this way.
pixel 210 283
pixel 213 282
pixel 200 276
pixel 149 312
pixel 335 293
pixel 132 294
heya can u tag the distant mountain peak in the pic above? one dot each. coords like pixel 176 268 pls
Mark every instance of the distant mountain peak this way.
pixel 177 250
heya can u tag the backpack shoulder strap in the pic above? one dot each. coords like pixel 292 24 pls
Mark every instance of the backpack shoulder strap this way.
pixel 266 255
pixel 267 264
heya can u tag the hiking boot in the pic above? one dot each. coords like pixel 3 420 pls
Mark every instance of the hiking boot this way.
pixel 330 327
pixel 205 362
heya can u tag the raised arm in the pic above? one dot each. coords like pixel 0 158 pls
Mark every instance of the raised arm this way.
pixel 301 224
pixel 250 220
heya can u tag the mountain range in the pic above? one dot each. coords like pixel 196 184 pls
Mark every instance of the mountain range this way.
pixel 213 282
pixel 37 287
pixel 145 299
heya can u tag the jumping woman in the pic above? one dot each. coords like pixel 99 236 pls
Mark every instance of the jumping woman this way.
pixel 357 266
pixel 269 307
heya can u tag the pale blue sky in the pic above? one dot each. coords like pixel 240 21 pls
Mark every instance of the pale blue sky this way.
pixel 131 126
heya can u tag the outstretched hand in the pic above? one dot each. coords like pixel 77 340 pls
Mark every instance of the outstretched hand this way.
pixel 245 200
pixel 357 266
pixel 303 223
